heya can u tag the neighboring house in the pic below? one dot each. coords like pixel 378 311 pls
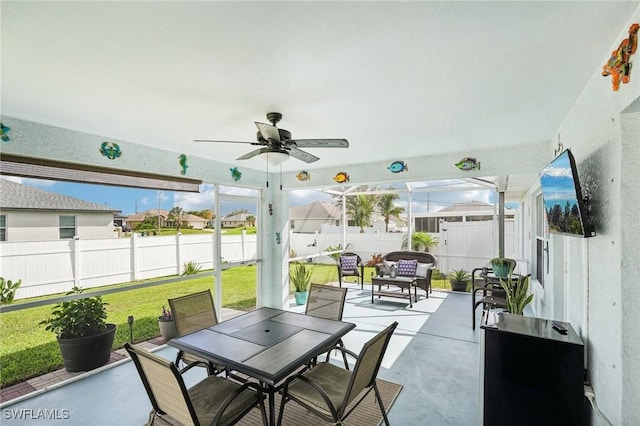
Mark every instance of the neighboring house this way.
pixel 188 220
pixel 137 218
pixel 32 214
pixel 236 220
pixel 463 212
pixel 193 221
pixel 310 218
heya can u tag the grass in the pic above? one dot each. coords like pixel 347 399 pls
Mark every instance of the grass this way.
pixel 27 350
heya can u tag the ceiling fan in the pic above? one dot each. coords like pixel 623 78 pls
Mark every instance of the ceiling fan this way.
pixel 277 145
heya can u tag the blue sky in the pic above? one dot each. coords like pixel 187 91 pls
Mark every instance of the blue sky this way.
pixel 130 200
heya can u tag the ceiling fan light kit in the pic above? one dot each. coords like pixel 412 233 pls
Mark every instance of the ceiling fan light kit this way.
pixel 275 158
pixel 277 145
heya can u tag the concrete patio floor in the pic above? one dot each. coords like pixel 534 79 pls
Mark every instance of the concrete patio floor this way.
pixel 433 353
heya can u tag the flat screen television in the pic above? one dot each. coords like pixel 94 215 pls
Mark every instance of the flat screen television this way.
pixel 566 208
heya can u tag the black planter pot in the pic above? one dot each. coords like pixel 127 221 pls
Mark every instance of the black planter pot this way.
pixel 87 353
pixel 459 285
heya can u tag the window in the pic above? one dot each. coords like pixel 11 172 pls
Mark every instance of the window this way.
pixel 3 227
pixel 67 227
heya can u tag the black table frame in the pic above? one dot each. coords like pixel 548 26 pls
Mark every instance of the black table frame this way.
pixel 401 282
pixel 267 344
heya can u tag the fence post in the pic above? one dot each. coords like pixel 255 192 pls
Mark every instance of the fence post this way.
pixel 243 238
pixel 179 269
pixel 77 270
pixel 134 256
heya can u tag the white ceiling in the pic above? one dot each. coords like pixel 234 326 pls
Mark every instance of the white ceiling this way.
pixel 419 77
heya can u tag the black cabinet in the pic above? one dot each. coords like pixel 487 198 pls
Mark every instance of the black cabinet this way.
pixel 530 373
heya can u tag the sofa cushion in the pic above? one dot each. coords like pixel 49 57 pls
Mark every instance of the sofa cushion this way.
pixel 407 268
pixel 421 270
pixel 349 263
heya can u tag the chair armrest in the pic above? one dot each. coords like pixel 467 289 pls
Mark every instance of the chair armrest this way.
pixel 228 400
pixel 343 350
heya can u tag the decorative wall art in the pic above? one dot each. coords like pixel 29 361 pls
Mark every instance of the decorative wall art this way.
pixel 270 209
pixel 619 65
pixel 341 177
pixel 398 167
pixel 235 173
pixel 3 133
pixel 467 164
pixel 302 176
pixel 277 238
pixel 182 159
pixel 111 150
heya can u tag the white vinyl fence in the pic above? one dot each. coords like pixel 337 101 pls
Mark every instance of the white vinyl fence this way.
pixel 48 267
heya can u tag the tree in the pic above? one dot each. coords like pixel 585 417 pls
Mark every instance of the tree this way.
pixel 251 219
pixel 420 241
pixel 360 208
pixel 388 208
pixel 175 216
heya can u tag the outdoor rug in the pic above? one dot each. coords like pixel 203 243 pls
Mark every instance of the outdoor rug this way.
pixel 366 414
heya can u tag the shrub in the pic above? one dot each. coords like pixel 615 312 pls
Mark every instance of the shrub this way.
pixel 8 290
pixel 191 268
pixel 78 317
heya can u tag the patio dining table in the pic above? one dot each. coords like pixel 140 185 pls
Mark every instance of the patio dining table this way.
pixel 267 344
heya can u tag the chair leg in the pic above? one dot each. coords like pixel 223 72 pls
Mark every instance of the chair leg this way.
pixel 379 398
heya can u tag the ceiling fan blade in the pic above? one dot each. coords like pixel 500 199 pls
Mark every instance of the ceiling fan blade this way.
pixel 251 154
pixel 301 155
pixel 216 141
pixel 268 131
pixel 320 143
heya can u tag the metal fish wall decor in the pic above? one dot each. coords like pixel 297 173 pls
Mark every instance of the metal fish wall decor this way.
pixel 341 177
pixel 182 159
pixel 467 164
pixel 398 166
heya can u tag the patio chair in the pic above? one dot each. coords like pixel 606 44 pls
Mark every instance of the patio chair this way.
pixel 327 390
pixel 493 296
pixel 191 313
pixel 325 301
pixel 351 265
pixel 213 401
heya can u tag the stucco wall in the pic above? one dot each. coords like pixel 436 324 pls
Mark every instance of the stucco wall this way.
pixel 603 133
pixel 40 226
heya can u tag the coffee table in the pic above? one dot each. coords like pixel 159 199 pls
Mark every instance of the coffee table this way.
pixel 401 282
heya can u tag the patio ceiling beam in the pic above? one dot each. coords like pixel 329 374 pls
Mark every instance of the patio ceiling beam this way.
pixel 38 168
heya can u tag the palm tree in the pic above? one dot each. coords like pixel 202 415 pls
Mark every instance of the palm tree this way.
pixel 360 208
pixel 420 241
pixel 251 219
pixel 175 215
pixel 388 209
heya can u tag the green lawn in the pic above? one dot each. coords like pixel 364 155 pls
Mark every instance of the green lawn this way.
pixel 27 350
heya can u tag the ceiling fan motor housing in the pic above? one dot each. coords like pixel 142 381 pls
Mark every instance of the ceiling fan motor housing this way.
pixel 285 135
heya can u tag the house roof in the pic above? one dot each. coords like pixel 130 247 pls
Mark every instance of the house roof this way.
pixel 24 197
pixel 192 218
pixel 139 217
pixel 470 207
pixel 242 217
pixel 316 210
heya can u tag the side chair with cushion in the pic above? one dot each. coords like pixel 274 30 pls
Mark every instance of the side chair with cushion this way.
pixel 492 294
pixel 351 265
pixel 191 313
pixel 325 301
pixel 213 401
pixel 327 390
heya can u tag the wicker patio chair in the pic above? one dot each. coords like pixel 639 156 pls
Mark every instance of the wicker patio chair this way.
pixel 191 313
pixel 327 390
pixel 325 301
pixel 351 265
pixel 213 401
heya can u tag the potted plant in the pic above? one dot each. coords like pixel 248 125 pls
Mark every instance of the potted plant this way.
pixel 516 294
pixel 501 266
pixel 167 325
pixel 84 337
pixel 459 278
pixel 300 277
